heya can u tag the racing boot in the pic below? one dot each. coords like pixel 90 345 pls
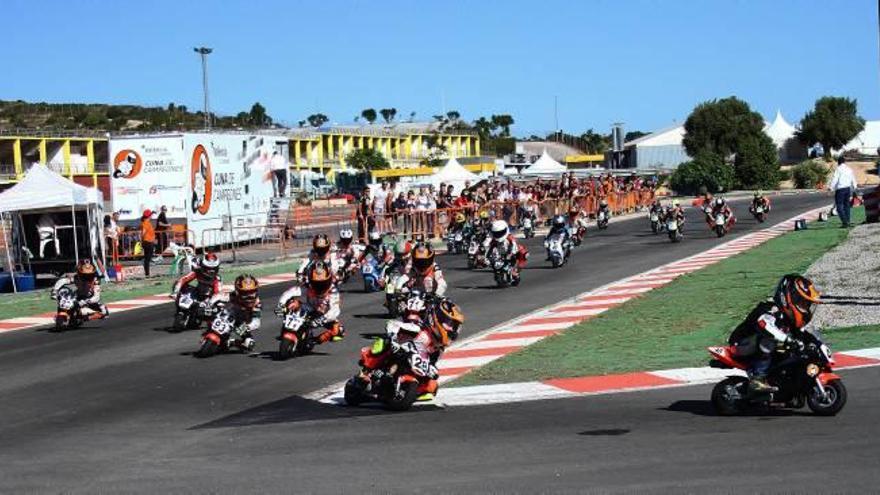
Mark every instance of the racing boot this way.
pixel 427 390
pixel 758 385
pixel 335 333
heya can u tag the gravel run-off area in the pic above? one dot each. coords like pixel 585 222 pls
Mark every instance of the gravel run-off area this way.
pixel 848 277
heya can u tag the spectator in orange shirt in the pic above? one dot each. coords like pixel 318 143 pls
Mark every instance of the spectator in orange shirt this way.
pixel 148 239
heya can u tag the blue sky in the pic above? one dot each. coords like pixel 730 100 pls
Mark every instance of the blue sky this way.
pixel 645 63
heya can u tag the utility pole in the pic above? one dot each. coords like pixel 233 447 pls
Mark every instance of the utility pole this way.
pixel 556 118
pixel 203 53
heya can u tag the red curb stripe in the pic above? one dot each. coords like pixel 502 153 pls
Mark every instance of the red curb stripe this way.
pixel 551 319
pixel 455 371
pixel 521 334
pixel 123 305
pixel 12 326
pixel 842 360
pixel 579 307
pixel 625 295
pixel 610 382
pixel 494 351
pixel 645 285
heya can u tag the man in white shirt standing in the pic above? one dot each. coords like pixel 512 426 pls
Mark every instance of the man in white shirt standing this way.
pixel 843 183
pixel 279 170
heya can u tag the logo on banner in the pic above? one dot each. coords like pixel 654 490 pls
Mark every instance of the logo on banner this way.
pixel 201 179
pixel 127 164
pixel 159 187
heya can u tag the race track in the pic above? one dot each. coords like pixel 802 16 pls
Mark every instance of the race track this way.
pixel 122 405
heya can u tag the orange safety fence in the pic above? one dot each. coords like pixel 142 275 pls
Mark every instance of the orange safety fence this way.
pixel 125 245
pixel 433 223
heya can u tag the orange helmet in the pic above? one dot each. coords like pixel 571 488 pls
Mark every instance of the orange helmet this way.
pixel 320 277
pixel 445 321
pixel 86 269
pixel 321 244
pixel 423 258
pixel 246 290
pixel 796 297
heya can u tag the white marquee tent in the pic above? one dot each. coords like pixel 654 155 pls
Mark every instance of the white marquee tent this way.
pixel 455 174
pixel 780 131
pixel 44 191
pixel 545 165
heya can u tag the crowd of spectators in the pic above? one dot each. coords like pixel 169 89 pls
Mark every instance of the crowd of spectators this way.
pixel 408 209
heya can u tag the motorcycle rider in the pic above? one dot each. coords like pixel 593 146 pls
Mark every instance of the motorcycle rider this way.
pixel 245 309
pixel 603 207
pixel 460 225
pixel 577 221
pixel 657 208
pixel 677 212
pixel 88 289
pixel 437 330
pixel 377 249
pixel 558 226
pixel 206 273
pixel 322 302
pixel 320 252
pixel 759 199
pixel 345 251
pixel 719 206
pixel 772 322
pixel 482 224
pixel 423 273
pixel 505 243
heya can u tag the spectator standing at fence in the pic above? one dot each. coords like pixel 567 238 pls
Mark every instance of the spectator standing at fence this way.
pixel 364 212
pixel 279 170
pixel 111 232
pixel 148 240
pixel 163 228
pixel 843 183
pixel 380 200
pixel 398 207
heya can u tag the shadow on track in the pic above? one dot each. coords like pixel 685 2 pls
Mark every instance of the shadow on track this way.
pixel 705 408
pixel 611 432
pixel 297 409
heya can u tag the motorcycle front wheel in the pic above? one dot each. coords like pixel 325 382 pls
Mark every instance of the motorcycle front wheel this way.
pixel 61 324
pixel 836 392
pixel 728 396
pixel 286 349
pixel 180 322
pixel 405 398
pixel 207 349
pixel 719 230
pixel 354 393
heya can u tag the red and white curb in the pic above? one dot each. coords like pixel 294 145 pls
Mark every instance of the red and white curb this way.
pixel 563 388
pixel 528 329
pixel 23 322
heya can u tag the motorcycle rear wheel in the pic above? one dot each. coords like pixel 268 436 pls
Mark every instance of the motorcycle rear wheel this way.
pixel 286 349
pixel 409 392
pixel 723 401
pixel 180 322
pixel 719 230
pixel 837 399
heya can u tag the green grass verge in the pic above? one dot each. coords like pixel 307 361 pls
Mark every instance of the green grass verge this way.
pixel 37 302
pixel 670 327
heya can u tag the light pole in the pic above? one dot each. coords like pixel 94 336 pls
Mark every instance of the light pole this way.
pixel 203 53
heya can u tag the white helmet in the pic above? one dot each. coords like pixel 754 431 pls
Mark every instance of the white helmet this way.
pixel 346 234
pixel 499 229
pixel 375 238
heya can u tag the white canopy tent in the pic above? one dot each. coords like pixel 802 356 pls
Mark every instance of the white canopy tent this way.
pixel 42 190
pixel 453 173
pixel 780 131
pixel 545 165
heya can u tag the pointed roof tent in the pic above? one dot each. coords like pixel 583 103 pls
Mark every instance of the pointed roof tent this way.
pixel 545 165
pixel 779 130
pixel 42 188
pixel 453 173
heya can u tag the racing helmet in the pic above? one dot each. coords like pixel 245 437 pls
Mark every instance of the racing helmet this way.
pixel 208 264
pixel 559 221
pixel 86 270
pixel 796 297
pixel 757 194
pixel 423 258
pixel 246 290
pixel 459 217
pixel 321 245
pixel 345 237
pixel 320 277
pixel 719 202
pixel 484 215
pixel 445 322
pixel 375 239
pixel 603 202
pixel 499 229
pixel 402 248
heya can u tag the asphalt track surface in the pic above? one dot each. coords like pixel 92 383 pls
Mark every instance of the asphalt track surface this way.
pixel 122 405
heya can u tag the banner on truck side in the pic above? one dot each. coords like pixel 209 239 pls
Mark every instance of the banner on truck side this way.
pixel 147 173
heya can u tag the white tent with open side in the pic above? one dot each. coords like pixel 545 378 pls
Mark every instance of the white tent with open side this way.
pixel 44 193
pixel 545 165
pixel 455 174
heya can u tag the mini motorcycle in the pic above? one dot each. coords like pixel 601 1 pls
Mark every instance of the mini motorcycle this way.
pixel 502 269
pixel 296 328
pixel 371 272
pixel 673 229
pixel 455 243
pixel 69 313
pixel 720 225
pixel 223 335
pixel 528 227
pixel 602 220
pixel 390 373
pixel 558 250
pixel 759 212
pixel 392 293
pixel 475 257
pixel 657 222
pixel 800 375
pixel 190 310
